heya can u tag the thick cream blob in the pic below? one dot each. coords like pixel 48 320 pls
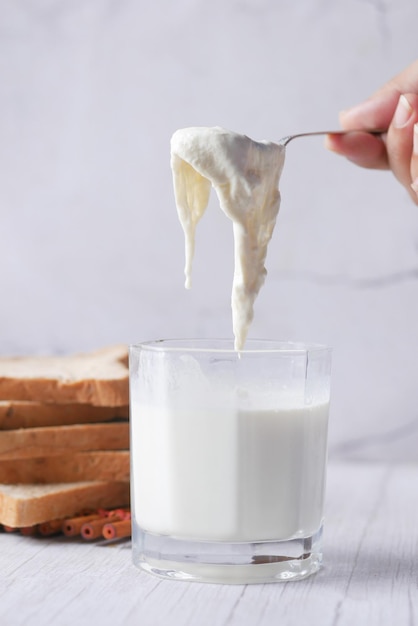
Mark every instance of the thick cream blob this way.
pixel 245 175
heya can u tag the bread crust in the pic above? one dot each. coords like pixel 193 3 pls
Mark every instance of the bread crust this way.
pixel 20 414
pixel 27 505
pixel 56 429
pixel 67 468
pixel 26 443
pixel 98 378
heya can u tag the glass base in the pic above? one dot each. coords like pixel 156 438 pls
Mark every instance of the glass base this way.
pixel 224 562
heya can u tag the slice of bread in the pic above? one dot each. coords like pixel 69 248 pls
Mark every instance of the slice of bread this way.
pixel 80 466
pixel 27 505
pixel 99 378
pixel 20 414
pixel 27 443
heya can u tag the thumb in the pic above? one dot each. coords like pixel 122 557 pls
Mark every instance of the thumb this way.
pixel 375 112
pixel 378 110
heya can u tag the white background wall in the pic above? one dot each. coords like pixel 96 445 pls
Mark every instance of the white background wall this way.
pixel 91 251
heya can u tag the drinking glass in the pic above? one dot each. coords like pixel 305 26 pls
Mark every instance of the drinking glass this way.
pixel 228 458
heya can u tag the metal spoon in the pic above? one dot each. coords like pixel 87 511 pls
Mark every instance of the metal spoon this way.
pixel 285 140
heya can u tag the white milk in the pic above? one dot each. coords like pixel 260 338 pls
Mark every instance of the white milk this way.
pixel 229 475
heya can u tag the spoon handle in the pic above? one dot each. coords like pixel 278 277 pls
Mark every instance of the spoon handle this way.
pixel 285 140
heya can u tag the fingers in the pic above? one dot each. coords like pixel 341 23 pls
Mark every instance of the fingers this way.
pixel 397 149
pixel 402 157
pixel 378 110
pixel 414 164
pixel 375 113
pixel 362 149
pixel 393 108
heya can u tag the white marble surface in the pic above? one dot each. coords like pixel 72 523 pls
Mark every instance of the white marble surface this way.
pixel 90 92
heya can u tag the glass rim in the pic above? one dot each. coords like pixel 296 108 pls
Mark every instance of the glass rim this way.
pixel 252 346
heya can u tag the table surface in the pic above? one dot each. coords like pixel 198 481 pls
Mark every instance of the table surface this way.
pixel 370 573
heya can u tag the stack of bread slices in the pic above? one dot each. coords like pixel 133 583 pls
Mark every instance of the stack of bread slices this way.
pixel 64 435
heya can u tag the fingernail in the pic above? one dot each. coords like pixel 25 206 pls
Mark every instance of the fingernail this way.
pixel 415 141
pixel 414 185
pixel 403 113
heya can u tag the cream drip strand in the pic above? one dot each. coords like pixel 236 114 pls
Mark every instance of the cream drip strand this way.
pixel 191 192
pixel 245 175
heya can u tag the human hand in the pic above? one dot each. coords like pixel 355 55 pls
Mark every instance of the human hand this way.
pixel 395 108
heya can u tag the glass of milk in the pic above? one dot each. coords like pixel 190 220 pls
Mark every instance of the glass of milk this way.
pixel 228 457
